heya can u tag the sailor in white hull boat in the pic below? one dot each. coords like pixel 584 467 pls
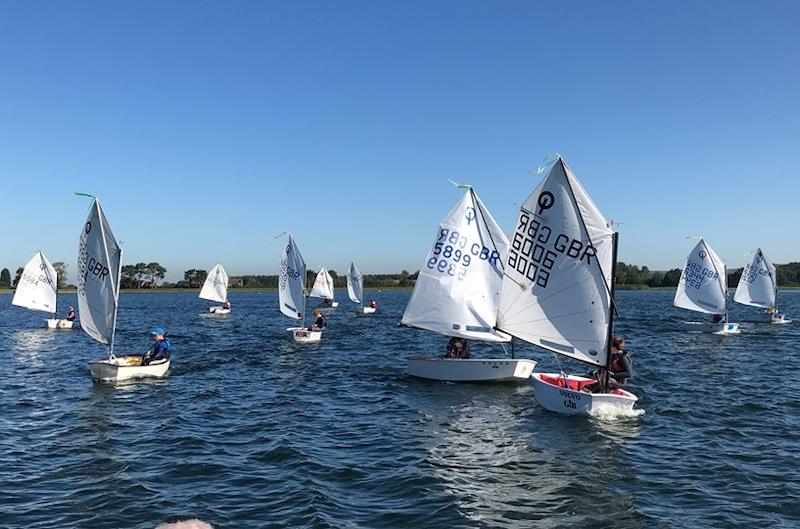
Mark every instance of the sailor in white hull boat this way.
pixel 226 305
pixel 161 348
pixel 70 314
pixel 457 348
pixel 619 369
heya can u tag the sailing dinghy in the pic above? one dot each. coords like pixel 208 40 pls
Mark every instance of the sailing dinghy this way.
pixel 38 290
pixel 292 292
pixel 758 287
pixel 703 288
pixel 558 291
pixel 215 288
pixel 99 266
pixel 323 288
pixel 355 290
pixel 456 295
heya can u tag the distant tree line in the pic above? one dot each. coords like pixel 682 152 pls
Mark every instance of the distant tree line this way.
pixel 151 275
pixel 195 277
pixel 632 276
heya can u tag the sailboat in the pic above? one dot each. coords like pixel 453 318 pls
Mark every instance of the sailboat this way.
pixel 703 287
pixel 758 287
pixel 558 290
pixel 38 290
pixel 292 292
pixel 99 266
pixel 355 289
pixel 323 288
pixel 456 295
pixel 215 288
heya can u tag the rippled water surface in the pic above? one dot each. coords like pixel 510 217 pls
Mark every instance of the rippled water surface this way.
pixel 251 430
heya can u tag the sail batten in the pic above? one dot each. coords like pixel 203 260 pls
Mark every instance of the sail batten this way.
pixel 458 286
pixel 757 286
pixel 37 286
pixel 561 257
pixel 99 262
pixel 215 287
pixel 291 281
pixel 703 285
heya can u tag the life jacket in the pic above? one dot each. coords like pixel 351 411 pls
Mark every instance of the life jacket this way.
pixel 616 363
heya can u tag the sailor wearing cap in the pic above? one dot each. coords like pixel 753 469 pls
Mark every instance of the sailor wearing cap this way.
pixel 161 348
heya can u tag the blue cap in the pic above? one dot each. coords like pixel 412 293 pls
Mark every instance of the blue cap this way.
pixel 158 330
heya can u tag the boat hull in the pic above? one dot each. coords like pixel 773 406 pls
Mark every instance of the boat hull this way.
pixel 127 367
pixel 552 395
pixel 54 323
pixel 303 335
pixel 471 369
pixel 366 310
pixel 219 310
pixel 722 329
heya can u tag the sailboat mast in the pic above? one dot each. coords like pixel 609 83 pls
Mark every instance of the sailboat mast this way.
pixel 116 302
pixel 611 306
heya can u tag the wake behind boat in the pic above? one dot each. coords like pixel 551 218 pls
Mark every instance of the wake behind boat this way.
pixel 99 266
pixel 456 295
pixel 558 291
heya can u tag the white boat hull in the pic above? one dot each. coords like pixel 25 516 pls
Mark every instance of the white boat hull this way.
pixel 780 319
pixel 471 369
pixel 53 323
pixel 126 367
pixel 552 395
pixel 219 310
pixel 722 329
pixel 303 335
pixel 366 310
pixel 728 329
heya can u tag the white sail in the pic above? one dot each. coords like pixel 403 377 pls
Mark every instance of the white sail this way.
pixel 99 259
pixel 758 286
pixel 216 286
pixel 291 281
pixel 355 284
pixel 703 285
pixel 37 285
pixel 556 290
pixel 458 287
pixel 323 285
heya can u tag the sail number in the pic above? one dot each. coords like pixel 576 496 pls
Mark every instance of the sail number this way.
pixel 695 275
pixel 535 249
pixel 452 254
pixel 751 273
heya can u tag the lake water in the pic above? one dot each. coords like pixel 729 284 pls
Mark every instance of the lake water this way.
pixel 251 430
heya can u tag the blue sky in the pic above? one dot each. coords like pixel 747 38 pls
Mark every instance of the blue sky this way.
pixel 206 128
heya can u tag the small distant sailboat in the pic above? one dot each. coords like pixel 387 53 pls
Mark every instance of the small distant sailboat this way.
pixel 558 290
pixel 456 295
pixel 216 289
pixel 292 292
pixel 38 290
pixel 703 288
pixel 323 288
pixel 99 266
pixel 355 290
pixel 758 287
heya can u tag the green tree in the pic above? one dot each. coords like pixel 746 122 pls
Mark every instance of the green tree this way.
pixel 128 277
pixel 155 273
pixel 61 270
pixel 5 278
pixel 17 277
pixel 194 277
